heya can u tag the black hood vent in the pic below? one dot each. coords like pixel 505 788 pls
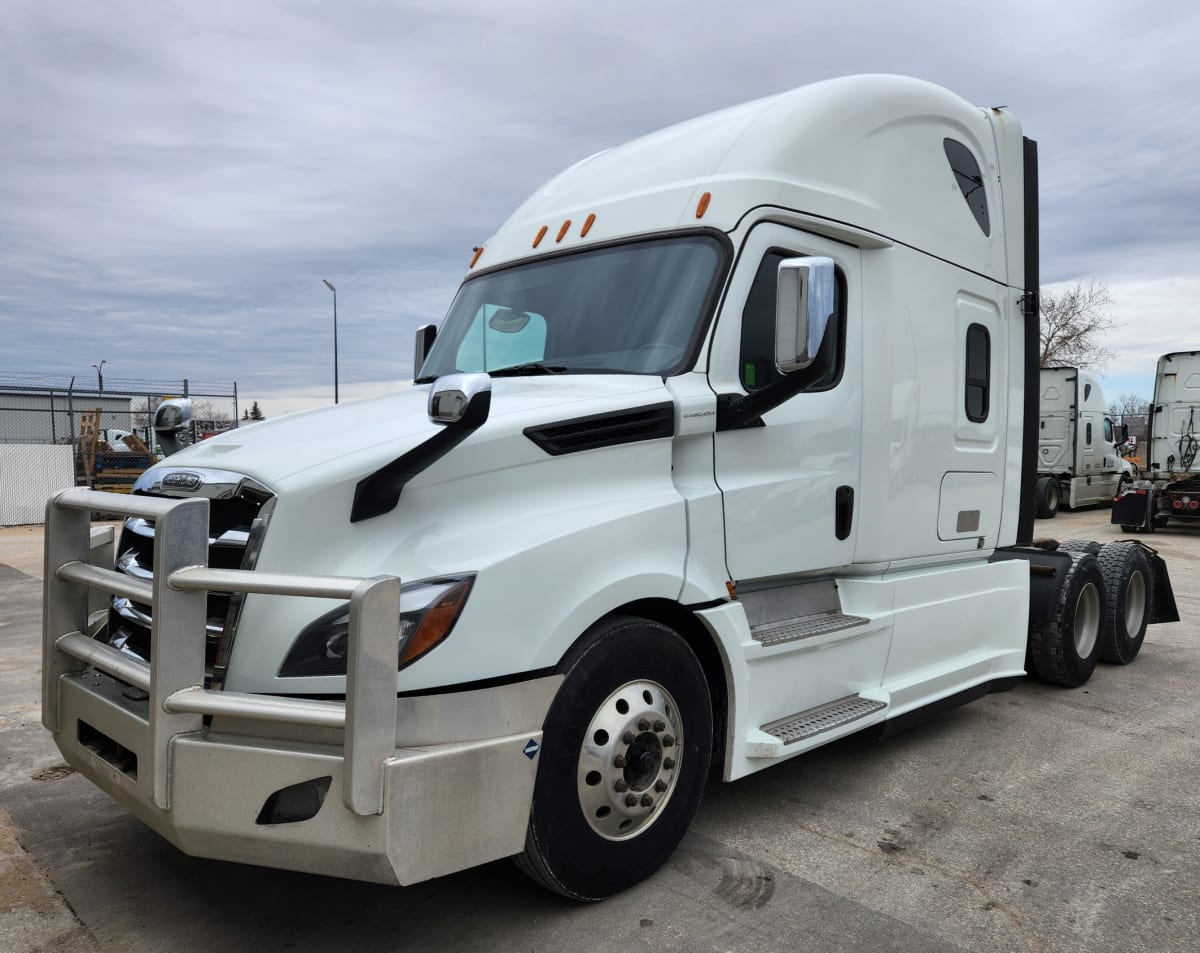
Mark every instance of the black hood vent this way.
pixel 605 430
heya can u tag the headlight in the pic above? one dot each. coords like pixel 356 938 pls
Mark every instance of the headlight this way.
pixel 429 609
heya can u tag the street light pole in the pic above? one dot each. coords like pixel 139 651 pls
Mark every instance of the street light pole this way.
pixel 100 376
pixel 335 356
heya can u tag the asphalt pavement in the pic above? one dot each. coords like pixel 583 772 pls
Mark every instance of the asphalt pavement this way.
pixel 1041 819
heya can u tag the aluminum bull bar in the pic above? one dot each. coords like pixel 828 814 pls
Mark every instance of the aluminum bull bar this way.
pixel 174 677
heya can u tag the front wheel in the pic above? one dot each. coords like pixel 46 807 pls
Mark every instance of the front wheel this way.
pixel 625 752
pixel 1047 497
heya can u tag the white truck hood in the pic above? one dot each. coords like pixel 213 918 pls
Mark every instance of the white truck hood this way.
pixel 370 433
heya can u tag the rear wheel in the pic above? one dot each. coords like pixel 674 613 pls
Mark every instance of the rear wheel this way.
pixel 1128 585
pixel 625 752
pixel 1065 647
pixel 1079 546
pixel 1047 497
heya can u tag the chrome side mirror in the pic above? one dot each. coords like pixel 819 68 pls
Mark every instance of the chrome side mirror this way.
pixel 426 334
pixel 805 299
pixel 460 398
pixel 172 424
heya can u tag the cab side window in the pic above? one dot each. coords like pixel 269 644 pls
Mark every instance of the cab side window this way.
pixel 757 368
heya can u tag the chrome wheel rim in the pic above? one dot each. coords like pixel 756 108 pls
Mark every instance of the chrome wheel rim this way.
pixel 1087 620
pixel 1135 603
pixel 629 760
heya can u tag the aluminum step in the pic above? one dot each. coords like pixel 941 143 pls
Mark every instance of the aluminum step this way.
pixel 789 630
pixel 822 718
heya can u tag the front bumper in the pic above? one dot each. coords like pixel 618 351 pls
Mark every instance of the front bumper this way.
pixel 446 807
pixel 395 790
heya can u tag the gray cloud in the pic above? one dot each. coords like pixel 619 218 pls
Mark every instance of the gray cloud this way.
pixel 176 180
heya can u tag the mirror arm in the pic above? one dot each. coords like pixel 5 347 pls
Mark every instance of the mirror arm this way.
pixel 380 492
pixel 738 411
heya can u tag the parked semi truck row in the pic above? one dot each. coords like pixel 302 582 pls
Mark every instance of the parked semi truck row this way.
pixel 1079 460
pixel 726 449
pixel 1170 488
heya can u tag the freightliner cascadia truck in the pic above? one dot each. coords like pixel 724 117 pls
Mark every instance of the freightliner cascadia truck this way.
pixel 1078 462
pixel 725 449
pixel 1170 489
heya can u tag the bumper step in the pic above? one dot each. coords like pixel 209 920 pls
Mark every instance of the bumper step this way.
pixel 823 718
pixel 791 630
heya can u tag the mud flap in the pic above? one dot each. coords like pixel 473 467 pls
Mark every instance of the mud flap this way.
pixel 1132 509
pixel 1163 608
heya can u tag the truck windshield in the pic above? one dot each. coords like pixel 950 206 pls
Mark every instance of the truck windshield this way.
pixel 627 309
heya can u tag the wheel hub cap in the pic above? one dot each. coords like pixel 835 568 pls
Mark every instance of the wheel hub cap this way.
pixel 629 760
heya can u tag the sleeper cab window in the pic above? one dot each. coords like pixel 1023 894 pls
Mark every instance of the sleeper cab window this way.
pixel 979 372
pixel 757 368
pixel 970 181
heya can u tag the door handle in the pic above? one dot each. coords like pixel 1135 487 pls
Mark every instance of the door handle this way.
pixel 843 511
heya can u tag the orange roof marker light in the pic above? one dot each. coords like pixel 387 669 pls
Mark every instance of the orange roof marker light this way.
pixel 702 205
pixel 478 249
pixel 540 235
pixel 562 232
pixel 587 225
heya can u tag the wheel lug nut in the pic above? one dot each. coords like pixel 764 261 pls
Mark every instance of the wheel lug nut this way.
pixel 619 761
pixel 647 800
pixel 627 737
pixel 643 724
pixel 621 786
pixel 631 800
pixel 667 741
pixel 669 763
pixel 660 725
pixel 660 785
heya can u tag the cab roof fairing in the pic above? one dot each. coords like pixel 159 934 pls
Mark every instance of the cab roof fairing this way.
pixel 866 151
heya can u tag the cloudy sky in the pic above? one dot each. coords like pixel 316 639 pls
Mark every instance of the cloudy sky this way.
pixel 176 179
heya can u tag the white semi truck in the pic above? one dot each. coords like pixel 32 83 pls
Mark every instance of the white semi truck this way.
pixel 725 449
pixel 1078 458
pixel 1170 489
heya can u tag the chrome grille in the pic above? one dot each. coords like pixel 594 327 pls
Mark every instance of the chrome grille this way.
pixel 239 509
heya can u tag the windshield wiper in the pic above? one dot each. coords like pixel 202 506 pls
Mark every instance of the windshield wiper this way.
pixel 530 369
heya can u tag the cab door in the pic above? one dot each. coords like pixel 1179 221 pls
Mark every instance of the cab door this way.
pixel 789 483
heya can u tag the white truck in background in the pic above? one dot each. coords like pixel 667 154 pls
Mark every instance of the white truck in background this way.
pixel 1079 462
pixel 1170 488
pixel 726 449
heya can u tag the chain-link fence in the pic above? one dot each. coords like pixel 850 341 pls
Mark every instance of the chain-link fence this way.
pixel 55 431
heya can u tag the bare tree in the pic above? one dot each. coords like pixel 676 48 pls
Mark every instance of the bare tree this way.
pixel 1128 405
pixel 204 409
pixel 1073 324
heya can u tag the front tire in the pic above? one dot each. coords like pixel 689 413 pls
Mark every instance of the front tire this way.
pixel 1065 647
pixel 1047 497
pixel 1128 585
pixel 625 752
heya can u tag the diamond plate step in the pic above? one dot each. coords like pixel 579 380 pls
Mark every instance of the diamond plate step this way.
pixel 789 630
pixel 822 718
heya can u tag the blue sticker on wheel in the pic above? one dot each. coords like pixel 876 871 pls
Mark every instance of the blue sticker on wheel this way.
pixel 531 749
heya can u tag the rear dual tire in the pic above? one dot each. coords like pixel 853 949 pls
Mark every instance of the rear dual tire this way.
pixel 1102 611
pixel 1129 589
pixel 1064 648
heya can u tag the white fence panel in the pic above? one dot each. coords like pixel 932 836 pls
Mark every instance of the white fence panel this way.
pixel 29 474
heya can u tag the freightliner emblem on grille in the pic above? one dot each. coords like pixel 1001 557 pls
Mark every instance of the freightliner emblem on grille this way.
pixel 182 481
